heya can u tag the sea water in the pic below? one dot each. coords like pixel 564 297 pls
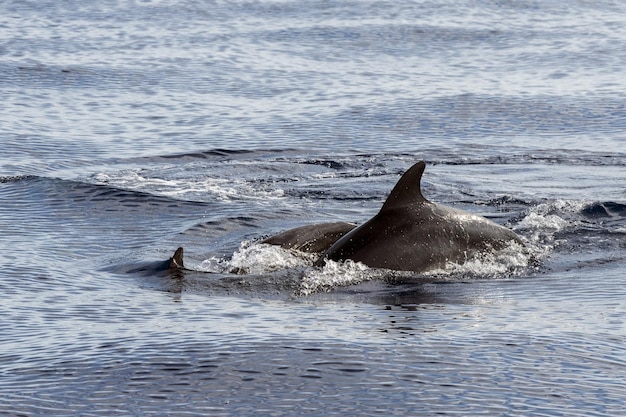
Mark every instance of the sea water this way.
pixel 130 128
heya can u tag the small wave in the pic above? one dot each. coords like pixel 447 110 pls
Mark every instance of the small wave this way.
pixel 553 217
pixel 542 223
pixel 129 178
pixel 210 154
pixel 16 178
pixel 605 209
pixel 193 189
pixel 328 163
pixel 475 155
pixel 233 179
pixel 544 220
pixel 569 230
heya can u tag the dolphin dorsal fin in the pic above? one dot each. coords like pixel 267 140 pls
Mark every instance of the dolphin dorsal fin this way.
pixel 176 261
pixel 408 189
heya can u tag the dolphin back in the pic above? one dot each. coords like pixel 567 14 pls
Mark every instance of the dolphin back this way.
pixel 314 238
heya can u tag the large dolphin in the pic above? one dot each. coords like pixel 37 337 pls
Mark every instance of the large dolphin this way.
pixel 409 233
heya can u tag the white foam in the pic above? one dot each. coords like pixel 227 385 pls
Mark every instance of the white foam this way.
pixel 550 216
pixel 203 188
pixel 536 221
pixel 542 223
pixel 324 175
pixel 257 258
pixel 511 260
pixel 130 179
pixel 336 274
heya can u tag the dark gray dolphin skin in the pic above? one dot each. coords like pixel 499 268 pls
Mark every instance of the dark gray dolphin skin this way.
pixel 176 261
pixel 314 238
pixel 410 233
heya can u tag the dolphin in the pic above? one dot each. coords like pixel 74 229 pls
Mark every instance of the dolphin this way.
pixel 175 263
pixel 411 233
pixel 313 238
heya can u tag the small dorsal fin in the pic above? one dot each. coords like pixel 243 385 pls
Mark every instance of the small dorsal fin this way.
pixel 408 189
pixel 176 261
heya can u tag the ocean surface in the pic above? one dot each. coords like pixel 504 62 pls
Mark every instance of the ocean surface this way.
pixel 130 128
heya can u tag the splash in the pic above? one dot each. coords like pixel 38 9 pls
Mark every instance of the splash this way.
pixel 336 274
pixel 257 258
pixel 551 217
pixel 253 258
pixel 543 223
pixel 512 260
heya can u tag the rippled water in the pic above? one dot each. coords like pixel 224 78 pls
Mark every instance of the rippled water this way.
pixel 129 129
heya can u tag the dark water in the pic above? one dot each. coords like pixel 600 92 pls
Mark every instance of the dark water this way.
pixel 131 128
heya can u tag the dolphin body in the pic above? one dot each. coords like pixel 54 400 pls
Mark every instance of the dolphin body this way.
pixel 409 233
pixel 313 238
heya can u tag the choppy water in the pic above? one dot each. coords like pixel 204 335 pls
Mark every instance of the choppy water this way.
pixel 131 128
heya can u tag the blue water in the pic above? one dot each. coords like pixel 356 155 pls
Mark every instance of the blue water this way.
pixel 131 128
